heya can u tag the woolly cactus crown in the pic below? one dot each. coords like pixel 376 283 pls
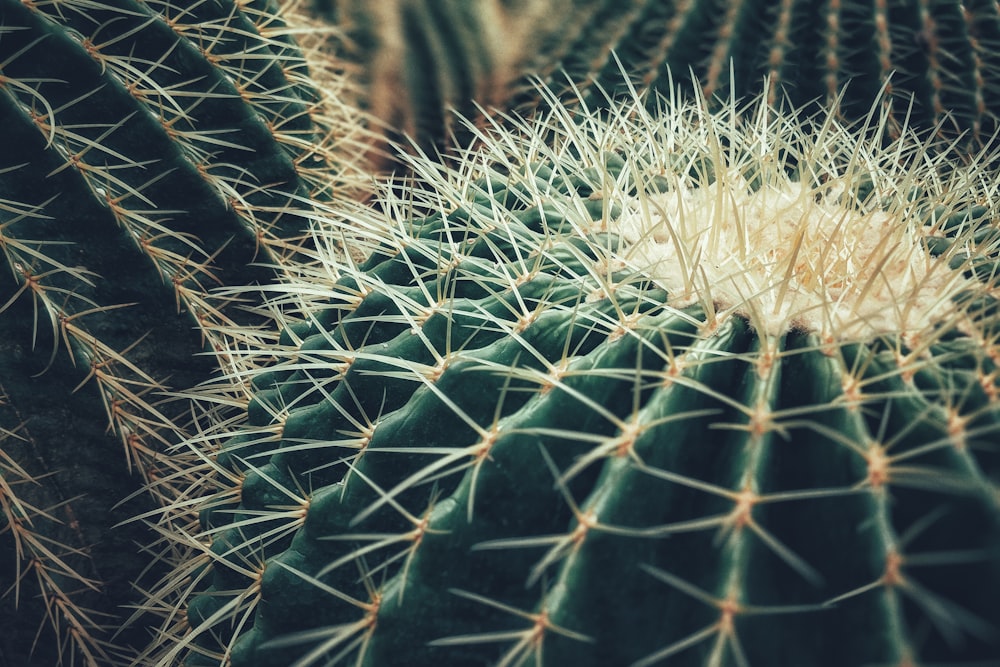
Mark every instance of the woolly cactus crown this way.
pixel 515 435
pixel 791 223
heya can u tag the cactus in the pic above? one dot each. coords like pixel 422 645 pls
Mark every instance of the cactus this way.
pixel 696 388
pixel 418 61
pixel 937 60
pixel 153 151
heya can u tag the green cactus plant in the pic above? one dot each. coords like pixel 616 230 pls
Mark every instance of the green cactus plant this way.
pixel 153 151
pixel 696 388
pixel 937 60
pixel 421 60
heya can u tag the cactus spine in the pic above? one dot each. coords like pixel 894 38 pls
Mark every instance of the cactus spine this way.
pixel 153 151
pixel 517 435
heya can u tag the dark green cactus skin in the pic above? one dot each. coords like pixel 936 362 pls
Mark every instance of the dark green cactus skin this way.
pixel 479 456
pixel 941 55
pixel 152 151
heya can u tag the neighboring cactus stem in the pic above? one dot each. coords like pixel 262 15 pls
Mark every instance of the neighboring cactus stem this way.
pixel 939 62
pixel 153 151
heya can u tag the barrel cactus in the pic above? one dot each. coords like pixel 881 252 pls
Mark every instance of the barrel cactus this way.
pixel 152 152
pixel 938 61
pixel 696 388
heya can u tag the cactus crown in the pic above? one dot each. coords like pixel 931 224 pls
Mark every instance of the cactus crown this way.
pixel 792 224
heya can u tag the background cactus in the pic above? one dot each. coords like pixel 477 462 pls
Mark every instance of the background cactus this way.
pixel 152 151
pixel 420 60
pixel 938 60
pixel 517 434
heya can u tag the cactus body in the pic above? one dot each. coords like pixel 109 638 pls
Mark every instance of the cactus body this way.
pixel 152 152
pixel 516 437
pixel 937 60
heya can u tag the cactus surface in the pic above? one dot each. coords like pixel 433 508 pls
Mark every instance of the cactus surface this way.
pixel 153 151
pixel 938 60
pixel 694 389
